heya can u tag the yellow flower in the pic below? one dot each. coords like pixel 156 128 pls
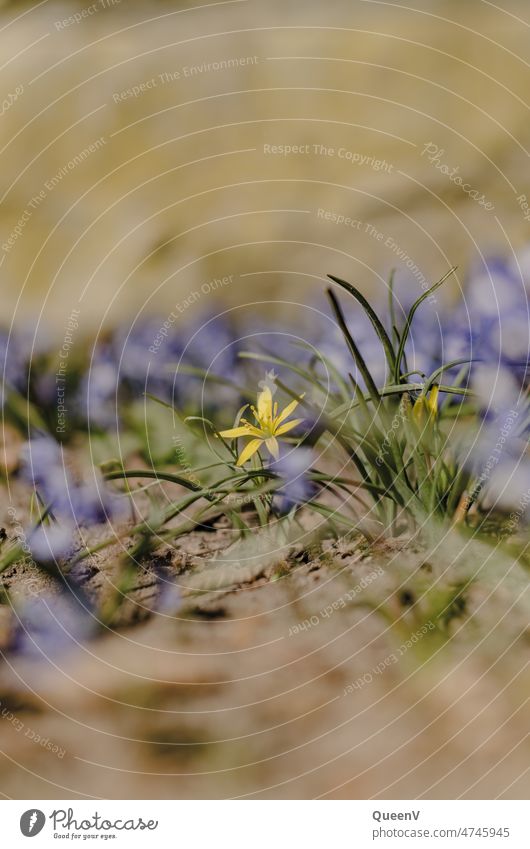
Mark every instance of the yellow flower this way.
pixel 426 407
pixel 269 425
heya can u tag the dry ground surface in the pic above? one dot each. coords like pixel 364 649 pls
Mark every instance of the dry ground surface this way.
pixel 230 697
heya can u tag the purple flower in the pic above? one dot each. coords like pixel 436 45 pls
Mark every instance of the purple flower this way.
pixel 52 625
pixel 497 454
pixel 50 543
pixel 42 467
pixel 13 362
pixel 498 391
pixel 293 468
pixel 99 390
pixel 492 323
pixel 89 504
pixel 209 345
pixel 169 596
pixel 75 503
pixel 143 354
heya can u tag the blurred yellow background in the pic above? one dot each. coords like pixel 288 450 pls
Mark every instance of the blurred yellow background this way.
pixel 148 148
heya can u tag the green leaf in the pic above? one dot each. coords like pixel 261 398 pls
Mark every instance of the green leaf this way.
pixel 372 315
pixel 354 350
pixel 406 329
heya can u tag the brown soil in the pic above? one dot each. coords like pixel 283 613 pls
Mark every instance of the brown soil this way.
pixel 287 680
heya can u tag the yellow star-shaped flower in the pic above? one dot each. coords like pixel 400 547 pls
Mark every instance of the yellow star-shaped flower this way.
pixel 269 425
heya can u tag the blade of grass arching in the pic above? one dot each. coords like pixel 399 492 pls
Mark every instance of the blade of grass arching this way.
pixel 170 513
pixel 432 378
pixel 462 374
pixel 200 491
pixel 391 303
pixel 354 350
pixel 124 474
pixel 179 506
pixel 374 318
pixel 408 322
pixel 452 390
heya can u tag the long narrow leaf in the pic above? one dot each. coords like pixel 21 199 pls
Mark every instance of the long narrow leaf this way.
pixel 372 315
pixel 406 329
pixel 354 350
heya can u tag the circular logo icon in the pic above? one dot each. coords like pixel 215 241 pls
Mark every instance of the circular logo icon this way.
pixel 32 822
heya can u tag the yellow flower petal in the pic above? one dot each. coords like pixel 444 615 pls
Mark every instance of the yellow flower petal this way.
pixel 255 431
pixel 426 407
pixel 273 447
pixel 249 451
pixel 265 405
pixel 290 408
pixel 418 411
pixel 433 400
pixel 285 428
pixel 233 432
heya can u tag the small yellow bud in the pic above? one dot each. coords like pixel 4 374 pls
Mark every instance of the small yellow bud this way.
pixel 432 401
pixel 426 407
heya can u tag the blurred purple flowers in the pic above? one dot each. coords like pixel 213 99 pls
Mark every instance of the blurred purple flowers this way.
pixel 50 625
pixel 72 503
pixel 293 469
pixel 498 452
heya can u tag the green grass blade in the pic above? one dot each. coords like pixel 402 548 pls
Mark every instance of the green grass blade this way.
pixel 374 318
pixel 406 329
